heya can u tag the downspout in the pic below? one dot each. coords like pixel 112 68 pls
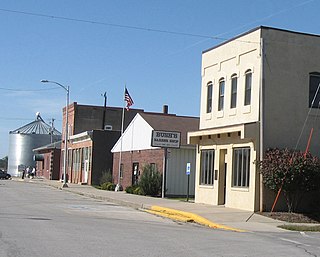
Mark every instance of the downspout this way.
pixel 261 114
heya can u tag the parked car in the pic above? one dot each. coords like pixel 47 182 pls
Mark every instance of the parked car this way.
pixel 4 175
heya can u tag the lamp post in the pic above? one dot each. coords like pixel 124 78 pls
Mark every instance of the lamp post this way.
pixel 67 89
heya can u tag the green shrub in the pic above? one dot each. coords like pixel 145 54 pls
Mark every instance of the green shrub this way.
pixel 150 181
pixel 134 190
pixel 104 185
pixel 108 186
pixel 138 191
pixel 111 187
pixel 106 177
pixel 130 189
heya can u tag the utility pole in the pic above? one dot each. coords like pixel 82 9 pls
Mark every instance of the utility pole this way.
pixel 51 130
pixel 104 110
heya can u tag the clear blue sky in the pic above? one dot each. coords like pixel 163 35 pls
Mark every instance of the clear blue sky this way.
pixel 92 47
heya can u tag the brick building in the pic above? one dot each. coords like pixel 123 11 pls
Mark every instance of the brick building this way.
pixel 90 155
pixel 48 160
pixel 136 151
pixel 93 130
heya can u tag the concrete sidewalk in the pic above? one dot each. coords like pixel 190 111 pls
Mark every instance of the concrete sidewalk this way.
pixel 212 216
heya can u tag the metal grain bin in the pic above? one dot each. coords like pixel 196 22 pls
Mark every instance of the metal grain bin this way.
pixel 24 139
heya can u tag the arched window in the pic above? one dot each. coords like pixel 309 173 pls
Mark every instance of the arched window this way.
pixel 209 97
pixel 221 94
pixel 234 85
pixel 248 84
pixel 314 92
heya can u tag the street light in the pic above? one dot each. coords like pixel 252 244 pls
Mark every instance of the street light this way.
pixel 67 89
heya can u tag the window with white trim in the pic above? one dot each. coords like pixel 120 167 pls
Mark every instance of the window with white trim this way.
pixel 209 97
pixel 207 167
pixel 248 85
pixel 241 167
pixel 234 85
pixel 221 94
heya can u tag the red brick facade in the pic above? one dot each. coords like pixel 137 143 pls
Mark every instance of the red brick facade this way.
pixel 142 158
pixel 83 118
pixel 49 167
pixel 76 167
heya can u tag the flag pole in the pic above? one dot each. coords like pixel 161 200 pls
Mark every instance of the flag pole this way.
pixel 118 187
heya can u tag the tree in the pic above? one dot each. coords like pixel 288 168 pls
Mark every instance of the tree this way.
pixel 150 181
pixel 4 163
pixel 294 172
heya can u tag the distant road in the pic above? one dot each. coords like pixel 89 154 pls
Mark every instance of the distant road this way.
pixel 37 220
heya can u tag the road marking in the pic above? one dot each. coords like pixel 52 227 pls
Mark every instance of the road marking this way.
pixel 305 235
pixel 294 242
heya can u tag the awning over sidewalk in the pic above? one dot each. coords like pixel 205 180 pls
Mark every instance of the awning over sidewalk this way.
pixel 243 131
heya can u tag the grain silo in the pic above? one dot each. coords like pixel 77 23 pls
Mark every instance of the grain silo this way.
pixel 24 139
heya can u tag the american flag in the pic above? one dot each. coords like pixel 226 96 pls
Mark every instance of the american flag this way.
pixel 128 99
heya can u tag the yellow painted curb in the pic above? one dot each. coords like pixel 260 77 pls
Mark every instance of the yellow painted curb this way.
pixel 188 217
pixel 170 216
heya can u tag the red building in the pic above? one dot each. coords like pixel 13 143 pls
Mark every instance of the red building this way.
pixel 48 160
pixel 90 155
pixel 93 130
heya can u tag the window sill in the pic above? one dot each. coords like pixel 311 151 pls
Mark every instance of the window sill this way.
pixel 247 109
pixel 240 189
pixel 206 186
pixel 220 114
pixel 208 116
pixel 233 112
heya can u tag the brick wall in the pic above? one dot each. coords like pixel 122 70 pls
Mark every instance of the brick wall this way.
pixel 77 176
pixel 49 168
pixel 142 157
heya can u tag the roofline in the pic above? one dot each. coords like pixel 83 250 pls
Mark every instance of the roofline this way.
pixel 168 114
pixel 255 29
pixel 87 133
pixel 52 145
pixel 231 39
pixel 133 109
pixel 101 106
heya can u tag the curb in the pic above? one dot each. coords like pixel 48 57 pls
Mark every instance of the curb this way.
pixel 188 217
pixel 106 198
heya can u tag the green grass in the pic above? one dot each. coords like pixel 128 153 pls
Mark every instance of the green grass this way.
pixel 305 228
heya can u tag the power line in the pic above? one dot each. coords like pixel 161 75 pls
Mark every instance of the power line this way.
pixel 22 119
pixel 118 25
pixel 27 90
pixel 151 29
pixel 6 118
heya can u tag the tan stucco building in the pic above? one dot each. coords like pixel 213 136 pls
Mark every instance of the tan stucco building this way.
pixel 256 93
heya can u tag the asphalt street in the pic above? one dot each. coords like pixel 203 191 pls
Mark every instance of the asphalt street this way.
pixel 38 220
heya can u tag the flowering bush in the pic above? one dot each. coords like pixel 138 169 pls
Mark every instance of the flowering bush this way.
pixel 294 172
